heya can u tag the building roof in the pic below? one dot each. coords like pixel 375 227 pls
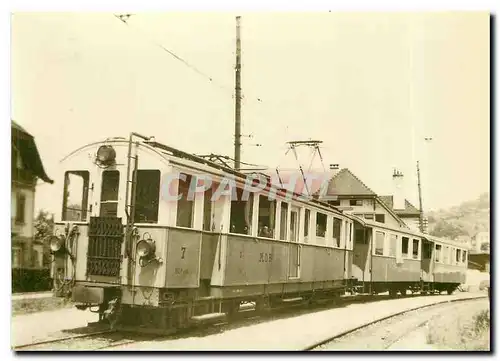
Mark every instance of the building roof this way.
pixel 410 209
pixel 25 143
pixel 345 183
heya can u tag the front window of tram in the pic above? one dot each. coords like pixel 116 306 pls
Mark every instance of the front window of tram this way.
pixel 76 192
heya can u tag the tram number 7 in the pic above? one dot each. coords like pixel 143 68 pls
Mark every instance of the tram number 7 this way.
pixel 183 252
pixel 266 257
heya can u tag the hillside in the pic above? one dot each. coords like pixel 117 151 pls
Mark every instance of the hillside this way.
pixel 466 219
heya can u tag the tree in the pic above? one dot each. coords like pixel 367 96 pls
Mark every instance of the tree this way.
pixel 44 228
pixel 447 230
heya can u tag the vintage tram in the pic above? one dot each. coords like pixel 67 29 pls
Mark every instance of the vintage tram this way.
pixel 150 236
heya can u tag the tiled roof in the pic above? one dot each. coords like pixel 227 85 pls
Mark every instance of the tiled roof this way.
pixel 410 209
pixel 25 143
pixel 346 183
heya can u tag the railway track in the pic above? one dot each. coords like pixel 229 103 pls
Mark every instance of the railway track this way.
pixel 318 344
pixel 108 339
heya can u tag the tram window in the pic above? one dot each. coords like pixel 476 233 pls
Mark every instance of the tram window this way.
pixel 109 193
pixel 458 256
pixel 405 245
pixel 379 242
pixel 76 192
pixel 283 221
pixel 208 208
pixel 380 218
pixel 438 252
pixel 307 218
pixel 415 249
pixel 267 215
pixel 185 203
pixel 393 245
pixel 320 224
pixel 147 195
pixel 241 213
pixel 464 256
pixel 446 254
pixel 337 223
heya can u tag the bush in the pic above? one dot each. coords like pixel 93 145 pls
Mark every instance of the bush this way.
pixel 31 280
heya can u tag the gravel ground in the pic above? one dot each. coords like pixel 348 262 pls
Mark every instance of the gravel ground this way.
pixel 48 325
pixel 288 333
pixel 293 333
pixel 404 332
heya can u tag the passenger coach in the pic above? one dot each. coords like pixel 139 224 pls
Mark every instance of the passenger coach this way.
pixel 124 247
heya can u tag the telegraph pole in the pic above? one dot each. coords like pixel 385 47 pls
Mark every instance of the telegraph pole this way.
pixel 421 218
pixel 237 108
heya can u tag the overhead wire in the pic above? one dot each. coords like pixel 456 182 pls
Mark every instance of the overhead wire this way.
pixel 124 19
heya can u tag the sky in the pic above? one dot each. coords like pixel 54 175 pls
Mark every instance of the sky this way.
pixel 371 86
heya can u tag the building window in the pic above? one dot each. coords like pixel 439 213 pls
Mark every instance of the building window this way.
pixel 34 259
pixel 16 257
pixel 379 243
pixel 283 221
pixel 356 202
pixel 20 208
pixel 415 249
pixel 320 224
pixel 147 196
pixel 76 191
pixel 438 252
pixel 380 218
pixel 335 203
pixel 404 247
pixel 307 218
pixel 337 223
pixel 369 216
pixel 267 216
pixel 109 193
pixel 393 245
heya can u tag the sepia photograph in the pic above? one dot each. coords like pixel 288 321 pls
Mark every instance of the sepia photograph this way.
pixel 250 181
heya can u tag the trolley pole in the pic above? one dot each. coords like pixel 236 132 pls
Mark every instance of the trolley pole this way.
pixel 237 108
pixel 421 218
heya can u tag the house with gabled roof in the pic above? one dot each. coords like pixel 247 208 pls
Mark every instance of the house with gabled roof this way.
pixel 409 214
pixel 348 193
pixel 26 169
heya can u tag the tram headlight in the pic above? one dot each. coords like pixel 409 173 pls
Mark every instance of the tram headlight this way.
pixel 146 248
pixel 106 155
pixel 56 243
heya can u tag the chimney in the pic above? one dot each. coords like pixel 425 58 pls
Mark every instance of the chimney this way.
pixel 398 198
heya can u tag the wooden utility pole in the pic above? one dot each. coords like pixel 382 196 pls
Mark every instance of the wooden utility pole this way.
pixel 237 108
pixel 421 219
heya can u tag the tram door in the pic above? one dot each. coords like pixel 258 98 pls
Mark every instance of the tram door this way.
pixel 294 247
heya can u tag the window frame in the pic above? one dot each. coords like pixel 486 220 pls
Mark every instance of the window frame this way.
pixel 413 255
pixel 251 200
pixel 84 202
pixel 20 217
pixel 108 201
pixel 407 254
pixel 376 248
pixel 271 217
pixel 157 202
